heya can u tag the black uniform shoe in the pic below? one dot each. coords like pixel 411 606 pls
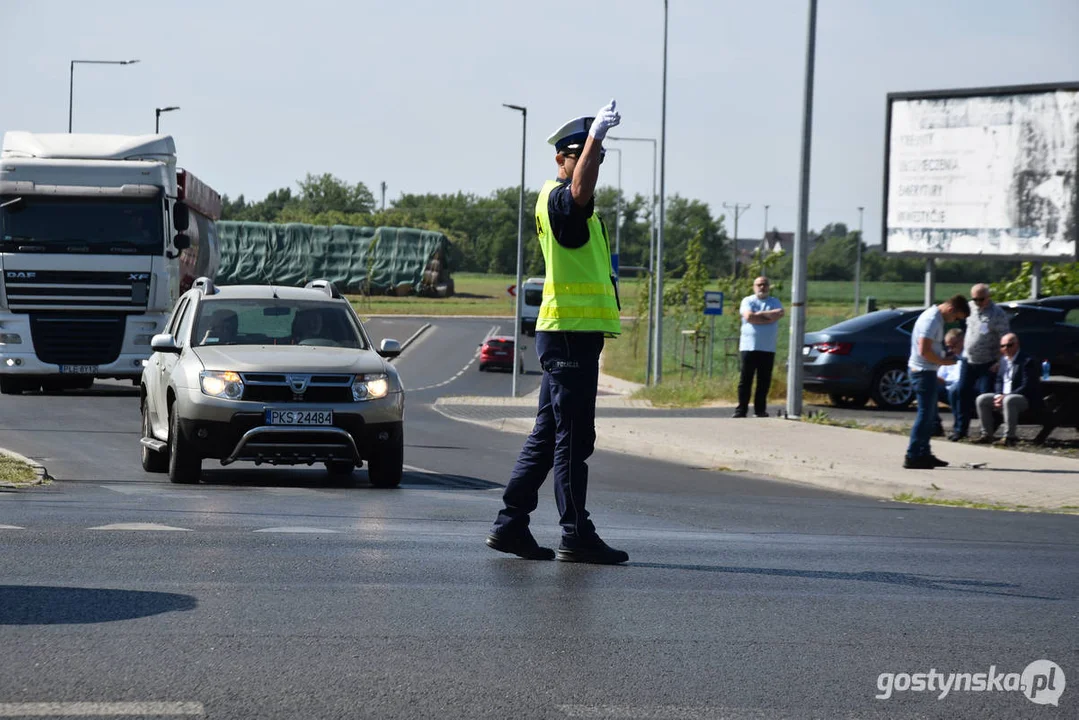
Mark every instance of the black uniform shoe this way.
pixel 938 432
pixel 594 551
pixel 937 462
pixel 739 414
pixel 521 545
pixel 918 463
pixel 762 414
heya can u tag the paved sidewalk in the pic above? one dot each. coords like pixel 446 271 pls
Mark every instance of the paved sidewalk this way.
pixel 857 461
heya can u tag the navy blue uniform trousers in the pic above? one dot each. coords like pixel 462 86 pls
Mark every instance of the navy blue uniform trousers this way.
pixel 563 437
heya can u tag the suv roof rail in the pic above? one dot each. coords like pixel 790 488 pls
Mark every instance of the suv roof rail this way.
pixel 325 286
pixel 205 285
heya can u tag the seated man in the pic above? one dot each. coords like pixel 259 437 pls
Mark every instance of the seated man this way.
pixel 948 379
pixel 222 330
pixel 1018 388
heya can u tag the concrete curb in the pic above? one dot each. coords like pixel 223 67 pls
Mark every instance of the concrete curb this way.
pixel 810 469
pixel 414 336
pixel 43 477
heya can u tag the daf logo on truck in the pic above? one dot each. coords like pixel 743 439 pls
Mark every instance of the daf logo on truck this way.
pixel 90 306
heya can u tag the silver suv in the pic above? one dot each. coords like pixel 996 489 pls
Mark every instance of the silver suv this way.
pixel 274 375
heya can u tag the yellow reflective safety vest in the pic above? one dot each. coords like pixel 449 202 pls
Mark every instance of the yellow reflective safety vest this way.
pixel 579 292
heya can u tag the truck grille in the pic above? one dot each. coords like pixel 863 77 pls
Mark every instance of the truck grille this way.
pixel 81 340
pixel 69 289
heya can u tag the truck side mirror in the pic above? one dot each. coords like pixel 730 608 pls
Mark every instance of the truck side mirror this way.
pixel 180 216
pixel 181 242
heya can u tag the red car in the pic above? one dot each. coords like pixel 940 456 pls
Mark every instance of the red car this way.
pixel 497 352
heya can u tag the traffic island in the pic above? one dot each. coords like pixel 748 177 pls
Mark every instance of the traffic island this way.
pixel 17 472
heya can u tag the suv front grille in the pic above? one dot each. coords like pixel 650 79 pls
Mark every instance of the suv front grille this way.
pixel 83 340
pixel 284 394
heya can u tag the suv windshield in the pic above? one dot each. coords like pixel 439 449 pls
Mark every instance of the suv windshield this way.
pixel 47 224
pixel 271 321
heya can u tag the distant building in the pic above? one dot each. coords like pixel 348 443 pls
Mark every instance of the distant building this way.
pixel 774 241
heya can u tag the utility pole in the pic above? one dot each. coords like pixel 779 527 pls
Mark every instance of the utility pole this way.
pixel 383 184
pixel 766 222
pixel 858 264
pixel 738 210
pixel 657 346
pixel 798 281
pixel 518 290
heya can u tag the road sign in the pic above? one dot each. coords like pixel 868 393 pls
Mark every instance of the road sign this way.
pixel 512 290
pixel 713 302
pixel 614 264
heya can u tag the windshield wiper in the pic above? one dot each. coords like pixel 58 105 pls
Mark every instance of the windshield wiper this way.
pixel 13 203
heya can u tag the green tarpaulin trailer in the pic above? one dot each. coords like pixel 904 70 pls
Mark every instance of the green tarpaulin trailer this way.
pixel 400 261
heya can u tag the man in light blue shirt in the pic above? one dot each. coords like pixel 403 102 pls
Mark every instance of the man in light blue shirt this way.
pixel 926 356
pixel 757 346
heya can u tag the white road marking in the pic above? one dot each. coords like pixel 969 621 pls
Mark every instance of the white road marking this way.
pixel 11 527
pixel 663 712
pixel 99 709
pixel 139 526
pixel 493 331
pixel 296 530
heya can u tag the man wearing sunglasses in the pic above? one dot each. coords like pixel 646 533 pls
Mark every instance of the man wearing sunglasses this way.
pixel 1018 388
pixel 579 309
pixel 986 325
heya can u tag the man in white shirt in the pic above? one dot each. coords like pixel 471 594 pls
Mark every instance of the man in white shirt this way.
pixel 757 346
pixel 926 356
pixel 948 380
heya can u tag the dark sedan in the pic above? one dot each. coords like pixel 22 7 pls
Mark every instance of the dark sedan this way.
pixel 866 357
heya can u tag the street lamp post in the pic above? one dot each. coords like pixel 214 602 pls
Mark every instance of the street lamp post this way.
pixel 157 116
pixel 618 208
pixel 651 248
pixel 520 249
pixel 798 289
pixel 71 81
pixel 657 348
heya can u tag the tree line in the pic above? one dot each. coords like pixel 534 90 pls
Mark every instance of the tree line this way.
pixel 483 232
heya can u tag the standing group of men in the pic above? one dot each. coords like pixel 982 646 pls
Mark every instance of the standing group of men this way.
pixel 981 369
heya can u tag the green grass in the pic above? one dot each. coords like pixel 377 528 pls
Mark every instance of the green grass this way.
pixel 921 500
pixel 15 472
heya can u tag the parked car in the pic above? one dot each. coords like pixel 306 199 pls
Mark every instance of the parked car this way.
pixel 497 352
pixel 866 357
pixel 273 375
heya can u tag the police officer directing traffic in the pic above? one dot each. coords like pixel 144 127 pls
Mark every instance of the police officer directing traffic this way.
pixel 579 309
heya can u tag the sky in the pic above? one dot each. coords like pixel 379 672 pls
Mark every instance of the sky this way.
pixel 410 92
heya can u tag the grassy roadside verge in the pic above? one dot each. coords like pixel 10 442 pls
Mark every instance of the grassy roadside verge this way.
pixel 16 472
pixel 922 500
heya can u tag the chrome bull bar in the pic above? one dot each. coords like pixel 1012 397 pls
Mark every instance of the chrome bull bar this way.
pixel 339 446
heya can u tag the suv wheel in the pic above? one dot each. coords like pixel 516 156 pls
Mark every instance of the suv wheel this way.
pixel 184 465
pixel 155 462
pixel 892 389
pixel 385 468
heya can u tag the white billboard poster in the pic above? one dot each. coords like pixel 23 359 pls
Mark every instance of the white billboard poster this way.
pixel 983 175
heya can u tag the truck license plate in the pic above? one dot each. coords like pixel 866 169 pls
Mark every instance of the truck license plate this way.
pixel 299 417
pixel 79 369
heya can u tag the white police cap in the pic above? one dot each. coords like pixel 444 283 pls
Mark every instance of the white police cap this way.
pixel 572 135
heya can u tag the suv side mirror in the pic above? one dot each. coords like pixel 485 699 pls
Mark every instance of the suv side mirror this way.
pixel 180 216
pixel 389 348
pixel 164 343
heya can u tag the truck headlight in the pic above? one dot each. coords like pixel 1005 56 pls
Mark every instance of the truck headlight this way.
pixel 370 387
pixel 10 339
pixel 226 385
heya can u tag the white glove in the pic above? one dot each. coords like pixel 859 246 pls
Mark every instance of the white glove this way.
pixel 606 119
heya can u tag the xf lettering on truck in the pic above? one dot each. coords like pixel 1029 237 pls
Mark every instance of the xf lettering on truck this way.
pixel 138 276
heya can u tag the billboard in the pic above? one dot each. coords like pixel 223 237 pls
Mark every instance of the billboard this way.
pixel 983 172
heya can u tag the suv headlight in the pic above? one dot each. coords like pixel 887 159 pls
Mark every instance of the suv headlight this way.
pixel 370 387
pixel 226 385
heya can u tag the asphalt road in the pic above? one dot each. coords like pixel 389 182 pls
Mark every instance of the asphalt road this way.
pixel 272 594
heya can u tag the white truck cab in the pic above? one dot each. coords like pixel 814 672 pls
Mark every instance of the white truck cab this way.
pixel 98 236
pixel 530 304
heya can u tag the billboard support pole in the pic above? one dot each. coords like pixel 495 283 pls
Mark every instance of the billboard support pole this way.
pixel 930 281
pixel 1036 281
